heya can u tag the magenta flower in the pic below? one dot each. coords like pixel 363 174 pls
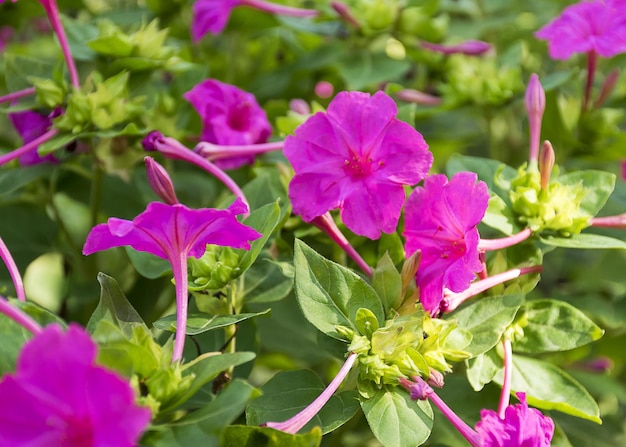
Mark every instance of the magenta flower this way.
pixel 175 232
pixel 597 26
pixel 356 157
pixel 211 16
pixel 521 427
pixel 31 125
pixel 440 220
pixel 230 117
pixel 59 396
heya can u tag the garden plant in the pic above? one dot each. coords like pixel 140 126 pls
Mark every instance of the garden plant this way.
pixel 312 223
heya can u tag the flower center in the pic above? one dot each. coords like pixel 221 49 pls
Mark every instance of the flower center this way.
pixel 239 117
pixel 360 167
pixel 79 433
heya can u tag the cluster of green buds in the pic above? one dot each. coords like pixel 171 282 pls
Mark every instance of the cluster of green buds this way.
pixel 100 104
pixel 479 80
pixel 406 346
pixel 214 270
pixel 424 22
pixel 542 203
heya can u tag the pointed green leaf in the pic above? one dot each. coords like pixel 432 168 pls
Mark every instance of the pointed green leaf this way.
pixel 200 323
pixel 585 241
pixel 330 294
pixel 555 325
pixel 387 282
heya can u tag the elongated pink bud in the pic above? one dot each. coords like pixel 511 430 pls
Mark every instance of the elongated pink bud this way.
pixel 535 106
pixel 546 163
pixel 344 12
pixel 469 47
pixel 160 181
pixel 417 97
pixel 607 87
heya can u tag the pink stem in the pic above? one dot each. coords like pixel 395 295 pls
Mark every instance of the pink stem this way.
pixel 215 152
pixel 52 9
pixel 28 147
pixel 453 300
pixel 508 374
pixel 618 221
pixel 5 254
pixel 592 62
pixel 179 268
pixel 294 425
pixel 273 8
pixel 496 244
pixel 19 316
pixel 326 223
pixel 17 95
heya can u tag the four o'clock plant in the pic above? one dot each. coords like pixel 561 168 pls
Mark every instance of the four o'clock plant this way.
pixel 449 252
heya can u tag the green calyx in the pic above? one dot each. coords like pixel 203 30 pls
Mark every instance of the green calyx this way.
pixel 214 270
pixel 405 346
pixel 557 208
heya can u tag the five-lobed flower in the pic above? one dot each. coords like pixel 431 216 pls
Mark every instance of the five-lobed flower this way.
pixel 440 221
pixel 58 396
pixel 357 156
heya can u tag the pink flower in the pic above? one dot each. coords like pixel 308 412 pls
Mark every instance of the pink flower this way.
pixel 440 220
pixel 30 126
pixel 175 232
pixel 59 396
pixel 230 117
pixel 589 26
pixel 211 16
pixel 356 157
pixel 521 427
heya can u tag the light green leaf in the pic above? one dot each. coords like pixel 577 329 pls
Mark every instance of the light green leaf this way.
pixel 396 420
pixel 387 282
pixel 584 241
pixel 329 294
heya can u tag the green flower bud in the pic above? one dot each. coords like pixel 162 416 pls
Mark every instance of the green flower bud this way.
pixel 49 93
pixel 214 270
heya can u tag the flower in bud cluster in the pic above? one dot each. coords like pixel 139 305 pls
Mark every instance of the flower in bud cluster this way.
pixel 535 106
pixel 595 26
pixel 440 221
pixel 230 117
pixel 58 396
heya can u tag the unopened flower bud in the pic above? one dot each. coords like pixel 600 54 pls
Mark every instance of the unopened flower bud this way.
pixel 535 106
pixel 344 12
pixel 160 181
pixel 324 89
pixel 435 378
pixel 150 141
pixel 409 269
pixel 468 48
pixel 300 106
pixel 546 163
pixel 419 389
pixel 417 97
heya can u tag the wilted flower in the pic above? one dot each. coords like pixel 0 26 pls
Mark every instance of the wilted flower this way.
pixel 230 117
pixel 59 396
pixel 211 16
pixel 174 233
pixel 440 221
pixel 356 157
pixel 589 26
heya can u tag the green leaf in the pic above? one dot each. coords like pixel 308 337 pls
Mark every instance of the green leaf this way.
pixel 55 143
pixel 550 388
pixel 584 241
pixel 329 294
pixel 206 368
pixel 118 45
pixel 266 282
pixel 363 68
pixel 18 70
pixel 482 369
pixel 396 420
pixel 40 314
pixel 555 325
pixel 486 319
pixel 147 264
pixel 245 436
pixel 387 282
pixel 598 187
pixel 13 179
pixel 114 308
pixel 486 170
pixel 13 338
pixel 200 323
pixel 203 427
pixel 289 392
pixel 264 220
pixel 500 216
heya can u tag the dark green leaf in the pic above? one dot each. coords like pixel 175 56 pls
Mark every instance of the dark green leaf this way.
pixel 387 282
pixel 200 323
pixel 584 241
pixel 264 220
pixel 245 436
pixel 289 392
